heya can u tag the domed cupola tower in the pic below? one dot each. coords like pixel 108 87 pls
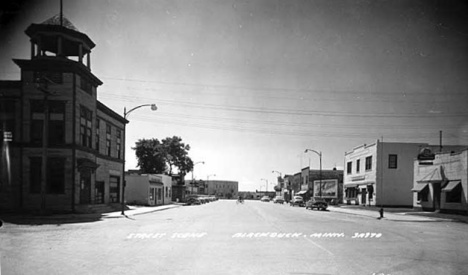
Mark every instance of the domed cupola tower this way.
pixel 58 37
pixel 57 48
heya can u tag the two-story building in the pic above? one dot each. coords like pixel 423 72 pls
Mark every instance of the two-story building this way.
pixel 64 147
pixel 222 189
pixel 381 173
pixel 440 181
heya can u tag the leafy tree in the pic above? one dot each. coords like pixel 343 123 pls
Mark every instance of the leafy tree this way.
pixel 162 157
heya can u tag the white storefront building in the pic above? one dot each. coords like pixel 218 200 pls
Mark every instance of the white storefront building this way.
pixel 381 173
pixel 148 189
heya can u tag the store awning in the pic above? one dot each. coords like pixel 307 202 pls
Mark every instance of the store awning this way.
pixel 365 184
pixel 433 177
pixel 86 163
pixel 154 182
pixel 301 192
pixel 451 185
pixel 350 185
pixel 419 187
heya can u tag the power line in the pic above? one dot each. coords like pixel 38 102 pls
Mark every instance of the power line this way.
pixel 267 129
pixel 290 111
pixel 234 87
pixel 305 124
pixel 397 98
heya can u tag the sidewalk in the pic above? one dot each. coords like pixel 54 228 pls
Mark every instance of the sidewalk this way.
pixel 398 214
pixel 89 217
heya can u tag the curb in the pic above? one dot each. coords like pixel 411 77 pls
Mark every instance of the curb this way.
pixel 366 213
pixel 138 213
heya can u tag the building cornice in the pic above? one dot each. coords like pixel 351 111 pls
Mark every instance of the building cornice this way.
pixel 58 64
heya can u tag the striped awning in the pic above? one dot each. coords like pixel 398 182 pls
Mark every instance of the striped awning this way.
pixel 419 187
pixel 433 177
pixel 350 185
pixel 451 185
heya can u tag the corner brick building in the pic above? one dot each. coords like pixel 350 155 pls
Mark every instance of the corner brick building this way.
pixel 83 152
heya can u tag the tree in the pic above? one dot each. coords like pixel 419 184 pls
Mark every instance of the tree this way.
pixel 163 157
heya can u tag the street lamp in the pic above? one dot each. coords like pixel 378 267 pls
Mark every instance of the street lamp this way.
pixel 277 172
pixel 266 184
pixel 208 177
pixel 126 114
pixel 191 191
pixel 280 175
pixel 320 156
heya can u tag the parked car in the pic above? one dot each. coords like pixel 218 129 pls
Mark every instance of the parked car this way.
pixel 297 200
pixel 318 203
pixel 193 201
pixel 278 199
pixel 265 199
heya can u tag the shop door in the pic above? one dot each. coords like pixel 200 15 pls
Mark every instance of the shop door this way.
pixel 99 192
pixel 363 196
pixel 159 197
pixel 114 189
pixel 152 197
pixel 85 186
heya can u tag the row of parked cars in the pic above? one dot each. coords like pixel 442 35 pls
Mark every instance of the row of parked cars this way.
pixel 199 199
pixel 313 203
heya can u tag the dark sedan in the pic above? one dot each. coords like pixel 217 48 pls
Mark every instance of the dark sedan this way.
pixel 318 203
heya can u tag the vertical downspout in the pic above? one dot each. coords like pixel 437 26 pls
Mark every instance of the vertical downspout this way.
pixel 21 178
pixel 73 174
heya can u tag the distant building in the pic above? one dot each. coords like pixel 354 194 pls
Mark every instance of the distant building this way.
pixel 222 188
pixel 63 150
pixel 381 173
pixel 307 184
pixel 331 188
pixel 196 187
pixel 178 188
pixel 441 181
pixel 249 195
pixel 148 189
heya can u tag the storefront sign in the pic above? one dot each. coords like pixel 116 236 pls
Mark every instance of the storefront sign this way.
pixel 358 178
pixel 329 189
pixel 426 154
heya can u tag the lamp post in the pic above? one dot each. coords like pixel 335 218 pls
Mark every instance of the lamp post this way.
pixel 320 156
pixel 191 191
pixel 126 114
pixel 280 175
pixel 266 185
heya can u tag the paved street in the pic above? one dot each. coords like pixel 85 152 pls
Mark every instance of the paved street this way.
pixel 226 238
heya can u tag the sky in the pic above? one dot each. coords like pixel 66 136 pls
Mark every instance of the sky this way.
pixel 250 85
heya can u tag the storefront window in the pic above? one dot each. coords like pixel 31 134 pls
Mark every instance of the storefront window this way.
pixel 423 195
pixel 454 196
pixel 351 192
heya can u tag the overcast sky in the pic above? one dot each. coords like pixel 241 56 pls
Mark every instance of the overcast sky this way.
pixel 251 84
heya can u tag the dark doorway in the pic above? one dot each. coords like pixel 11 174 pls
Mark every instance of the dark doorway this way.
pixel 99 192
pixel 114 189
pixel 85 186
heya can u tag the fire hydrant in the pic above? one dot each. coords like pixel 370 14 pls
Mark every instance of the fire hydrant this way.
pixel 381 211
